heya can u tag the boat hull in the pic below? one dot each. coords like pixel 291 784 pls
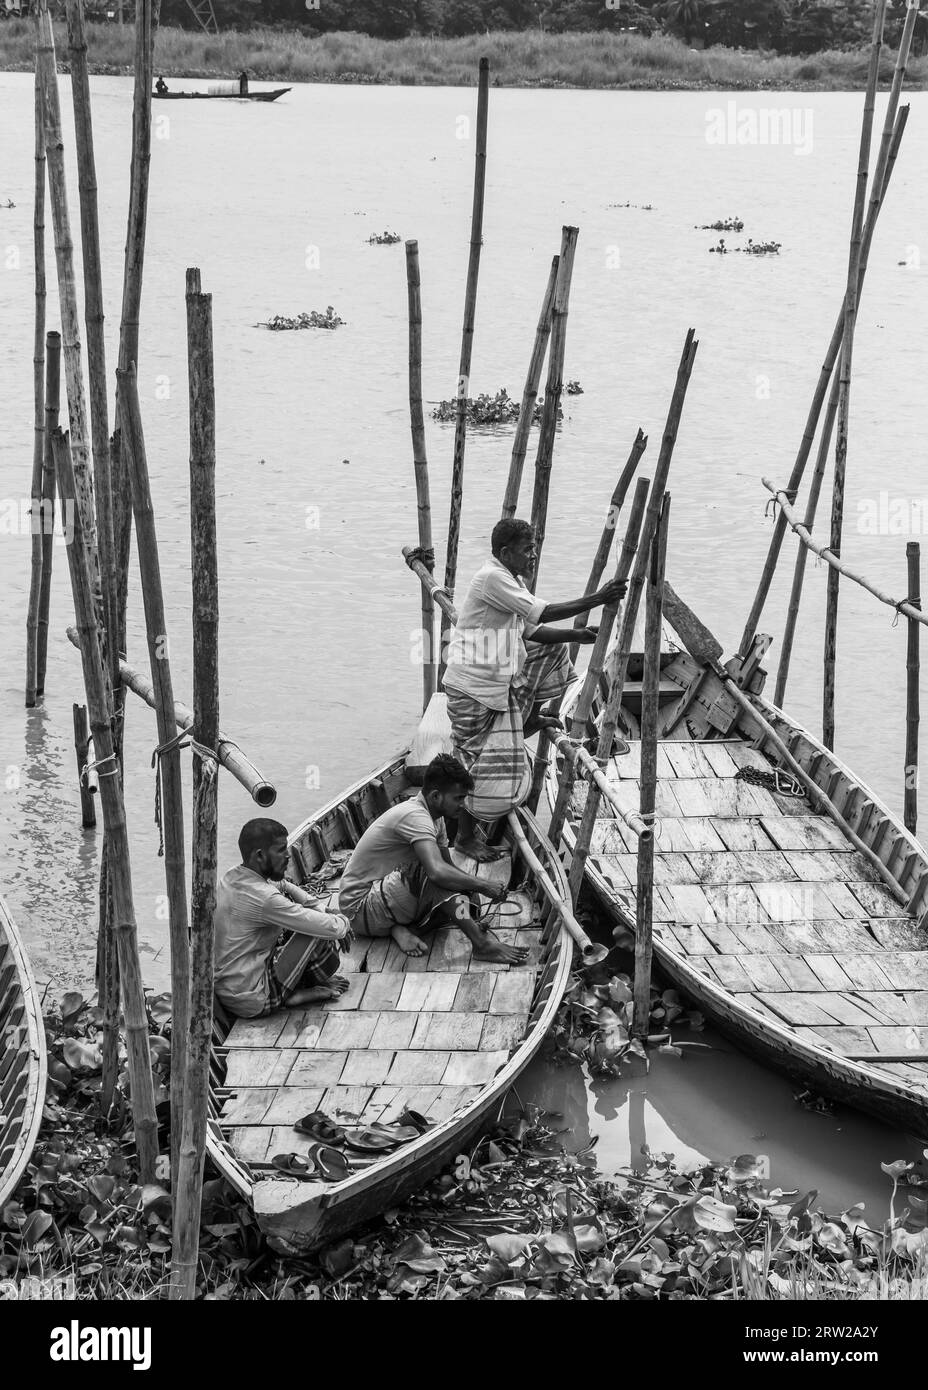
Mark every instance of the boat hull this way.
pixel 220 96
pixel 23 1059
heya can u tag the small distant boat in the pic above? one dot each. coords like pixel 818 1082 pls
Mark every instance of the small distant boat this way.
pixel 23 1060
pixel 232 95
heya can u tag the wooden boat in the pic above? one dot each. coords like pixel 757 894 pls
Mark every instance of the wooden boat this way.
pixel 23 1059
pixel 441 1033
pixel 221 96
pixel 766 913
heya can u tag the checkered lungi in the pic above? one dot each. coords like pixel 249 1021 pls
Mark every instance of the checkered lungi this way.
pixel 491 743
pixel 316 966
pixel 407 897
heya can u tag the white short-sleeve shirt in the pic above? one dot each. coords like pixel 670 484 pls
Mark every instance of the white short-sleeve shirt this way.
pixel 486 651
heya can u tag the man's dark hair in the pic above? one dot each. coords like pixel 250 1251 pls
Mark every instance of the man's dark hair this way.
pixel 507 531
pixel 445 772
pixel 259 834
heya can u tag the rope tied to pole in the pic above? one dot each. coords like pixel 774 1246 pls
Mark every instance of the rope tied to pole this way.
pixel 182 739
pixel 425 554
pixel 772 503
pixel 91 764
pixel 913 600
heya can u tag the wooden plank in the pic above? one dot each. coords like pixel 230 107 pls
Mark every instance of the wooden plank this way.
pixel 629 764
pixel 843 1008
pixel 702 835
pixel 691 903
pixel 743 755
pixel 906 969
pixel 798 1009
pixel 899 1041
pixel 291 1103
pixel 449 1101
pixel 512 995
pixel 248 1106
pixel 501 1032
pixel 763 974
pixel 781 901
pixel 719 759
pixel 841 934
pixel 450 951
pixel 418 1068
pixel 429 992
pixel 473 1068
pixel 804 832
pixel 251 1144
pixel 257 1032
pixel 394 1030
pixel 367 1067
pixel 695 797
pixel 474 993
pixel 800 978
pixel 737 902
pixel 302 1028
pixel 741 833
pixel 828 970
pixel 530 938
pixel 690 939
pixel 846 903
pixel 795 936
pixel 346 1103
pixel 453 1031
pixel 258 1066
pixel 316 1069
pixel 875 900
pixel 752 1001
pixel 813 865
pixel 839 1039
pixel 896 933
pixel 377 953
pixel 863 971
pixel 687 759
pixel 347 1031
pixel 383 991
pixel 902 1006
pixel 755 939
pixel 731 973
pixel 721 937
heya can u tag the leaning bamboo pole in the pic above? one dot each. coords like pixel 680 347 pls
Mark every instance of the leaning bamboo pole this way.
pixel 467 341
pixel 38 387
pixel 650 696
pixel 167 754
pixel 844 391
pixel 834 345
pixel 420 465
pixel 619 661
pixel 428 581
pixel 114 817
pixel 879 186
pixel 188 1188
pixel 553 388
pixel 591 951
pixel 910 799
pixel 52 405
pixel 529 397
pixel 585 765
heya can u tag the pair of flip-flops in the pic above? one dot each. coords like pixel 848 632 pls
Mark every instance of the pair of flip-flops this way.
pixel 318 1126
pixel 321 1161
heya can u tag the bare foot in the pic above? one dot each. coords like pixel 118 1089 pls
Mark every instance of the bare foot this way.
pixel 314 994
pixel 491 948
pixel 408 941
pixel 339 982
pixel 476 849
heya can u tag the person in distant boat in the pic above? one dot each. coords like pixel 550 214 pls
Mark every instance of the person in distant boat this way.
pixel 274 949
pixel 401 881
pixel 243 84
pixel 161 86
pixel 496 682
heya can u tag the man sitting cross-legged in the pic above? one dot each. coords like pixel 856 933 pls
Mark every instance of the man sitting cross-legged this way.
pixel 402 882
pixel 274 949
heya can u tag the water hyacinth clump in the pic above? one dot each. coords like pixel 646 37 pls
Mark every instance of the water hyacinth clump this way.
pixel 594 1024
pixel 723 224
pixel 500 409
pixel 384 239
pixel 311 320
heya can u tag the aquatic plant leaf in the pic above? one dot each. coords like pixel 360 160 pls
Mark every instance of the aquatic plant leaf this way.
pixel 669 1050
pixel 71 1005
pixel 803 1204
pixel 745 1168
pixel 588 1238
pixel 160 1006
pixel 37 1224
pixel 151 1193
pixel 101 1187
pixel 705 1214
pixel 832 1238
pixel 897 1169
pixel 557 1243
pixel 79 1054
pixel 337 1259
pixel 509 1247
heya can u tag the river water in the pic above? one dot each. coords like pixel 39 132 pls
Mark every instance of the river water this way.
pixel 315 491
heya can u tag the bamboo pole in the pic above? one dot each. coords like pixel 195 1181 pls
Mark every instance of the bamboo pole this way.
pixel 553 388
pixel 650 695
pixel 429 582
pixel 910 801
pixel 585 765
pixel 167 758
pixel 52 400
pixel 114 819
pixel 38 386
pixel 597 661
pixel 108 973
pixel 889 147
pixel 467 342
pixel 592 952
pixel 93 316
pixel 619 662
pixel 529 397
pixel 81 745
pixel 420 464
pixel 189 1184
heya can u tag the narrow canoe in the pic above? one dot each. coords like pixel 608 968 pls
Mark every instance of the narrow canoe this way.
pixel 441 1034
pixel 765 912
pixel 23 1059
pixel 220 96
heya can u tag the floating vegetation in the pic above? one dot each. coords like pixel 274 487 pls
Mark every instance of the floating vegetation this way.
pixel 725 224
pixel 384 239
pixel 312 320
pixel 594 1023
pixel 753 248
pixel 642 207
pixel 8 204
pixel 500 409
pixel 573 388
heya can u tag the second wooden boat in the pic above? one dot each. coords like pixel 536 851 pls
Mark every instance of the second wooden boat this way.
pixel 442 1034
pixel 23 1060
pixel 221 96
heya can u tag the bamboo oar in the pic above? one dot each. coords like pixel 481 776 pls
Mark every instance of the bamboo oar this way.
pixel 650 695
pixel 844 391
pixel 529 397
pixel 52 400
pixel 93 315
pixel 467 341
pixel 188 1189
pixel 592 953
pixel 420 463
pixel 910 797
pixel 553 387
pixel 834 346
pixel 114 817
pixel 38 385
pixel 167 759
pixel 619 663
pixel 597 660
pixel 880 185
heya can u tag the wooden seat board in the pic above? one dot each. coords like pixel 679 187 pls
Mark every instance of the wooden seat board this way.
pixel 741 833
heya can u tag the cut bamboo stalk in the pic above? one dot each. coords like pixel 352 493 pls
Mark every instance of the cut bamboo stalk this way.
pixel 467 342
pixel 189 1183
pixel 420 464
pixel 114 819
pixel 619 662
pixel 38 386
pixel 585 765
pixel 230 754
pixel 650 696
pixel 888 149
pixel 529 397
pixel 912 663
pixel 52 400
pixel 594 670
pixel 553 388
pixel 592 952
pixel 93 315
pixel 430 583
pixel 81 746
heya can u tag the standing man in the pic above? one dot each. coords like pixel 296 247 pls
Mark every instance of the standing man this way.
pixel 496 682
pixel 243 84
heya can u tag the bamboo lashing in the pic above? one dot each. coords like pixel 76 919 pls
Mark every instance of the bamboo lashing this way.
pixel 912 663
pixel 81 745
pixel 52 402
pixel 818 397
pixel 650 696
pixel 529 398
pixel 37 514
pixel 591 952
pixel 467 341
pixel 420 464
pixel 430 583
pixel 114 817
pixel 844 391
pixel 824 552
pixel 585 765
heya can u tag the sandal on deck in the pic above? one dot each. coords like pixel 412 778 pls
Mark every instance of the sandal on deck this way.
pixel 319 1127
pixel 415 1120
pixel 331 1164
pixel 293 1165
pixel 400 1134
pixel 371 1141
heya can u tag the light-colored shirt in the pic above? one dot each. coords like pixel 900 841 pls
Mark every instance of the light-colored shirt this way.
pixel 250 914
pixel 486 651
pixel 386 845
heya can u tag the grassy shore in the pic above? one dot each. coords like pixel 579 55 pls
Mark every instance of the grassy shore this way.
pixel 531 59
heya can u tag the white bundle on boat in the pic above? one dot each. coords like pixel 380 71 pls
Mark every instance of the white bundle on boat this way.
pixel 222 89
